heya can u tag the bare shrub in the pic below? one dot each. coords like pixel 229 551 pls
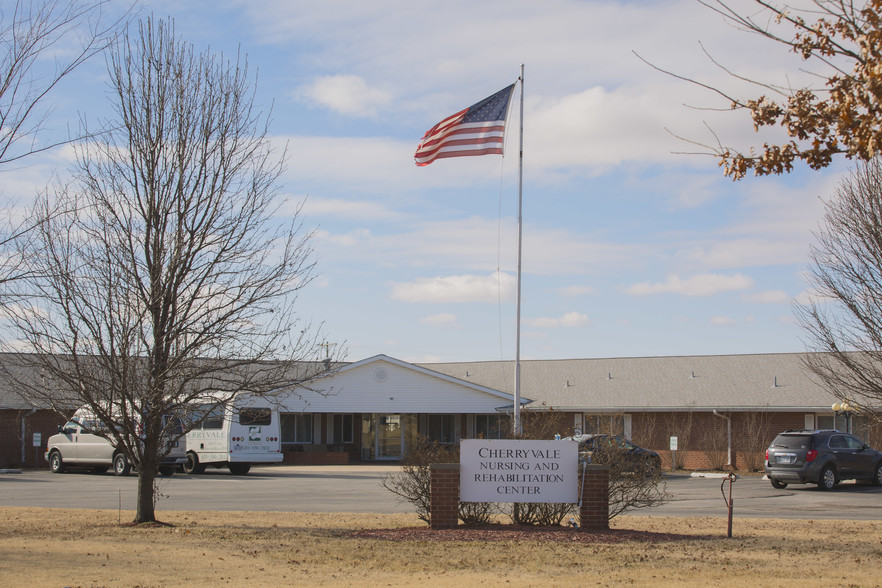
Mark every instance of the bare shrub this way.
pixel 413 483
pixel 756 434
pixel 634 482
pixel 715 446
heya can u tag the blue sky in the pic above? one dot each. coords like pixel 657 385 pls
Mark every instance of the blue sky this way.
pixel 631 246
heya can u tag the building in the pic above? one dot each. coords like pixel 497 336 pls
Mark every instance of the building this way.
pixel 719 408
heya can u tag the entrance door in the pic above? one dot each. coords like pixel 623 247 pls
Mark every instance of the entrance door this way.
pixel 390 436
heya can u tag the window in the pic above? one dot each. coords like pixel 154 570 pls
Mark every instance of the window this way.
pixel 604 424
pixel 215 417
pixel 826 421
pixel 854 443
pixel 255 416
pixel 442 428
pixel 488 426
pixel 343 429
pixel 296 428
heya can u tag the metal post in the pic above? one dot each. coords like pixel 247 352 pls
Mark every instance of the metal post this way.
pixel 517 394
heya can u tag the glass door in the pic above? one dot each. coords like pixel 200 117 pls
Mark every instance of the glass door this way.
pixel 390 436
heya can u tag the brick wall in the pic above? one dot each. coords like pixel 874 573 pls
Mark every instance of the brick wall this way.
pixel 702 436
pixel 317 458
pixel 444 484
pixel 44 422
pixel 594 512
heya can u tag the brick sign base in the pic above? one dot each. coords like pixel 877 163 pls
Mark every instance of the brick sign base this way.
pixel 444 509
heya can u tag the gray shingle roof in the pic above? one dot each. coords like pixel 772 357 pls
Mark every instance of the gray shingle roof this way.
pixel 776 382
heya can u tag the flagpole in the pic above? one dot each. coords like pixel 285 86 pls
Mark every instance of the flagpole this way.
pixel 517 394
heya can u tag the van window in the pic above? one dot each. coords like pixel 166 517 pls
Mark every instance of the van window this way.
pixel 255 416
pixel 215 418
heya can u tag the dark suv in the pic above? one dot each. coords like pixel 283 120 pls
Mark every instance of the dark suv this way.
pixel 824 458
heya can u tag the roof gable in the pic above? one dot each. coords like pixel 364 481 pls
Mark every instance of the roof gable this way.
pixel 384 384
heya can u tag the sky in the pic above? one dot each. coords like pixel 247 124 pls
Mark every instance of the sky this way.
pixel 634 244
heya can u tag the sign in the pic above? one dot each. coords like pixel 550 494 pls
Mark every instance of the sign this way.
pixel 518 471
pixel 38 439
pixel 673 444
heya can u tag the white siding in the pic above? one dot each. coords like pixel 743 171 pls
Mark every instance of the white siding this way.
pixel 386 387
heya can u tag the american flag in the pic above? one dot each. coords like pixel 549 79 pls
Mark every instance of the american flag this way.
pixel 477 130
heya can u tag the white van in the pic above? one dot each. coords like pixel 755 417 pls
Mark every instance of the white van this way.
pixel 82 442
pixel 235 436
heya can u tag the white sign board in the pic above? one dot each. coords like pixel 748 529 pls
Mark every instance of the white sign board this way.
pixel 673 444
pixel 38 439
pixel 518 471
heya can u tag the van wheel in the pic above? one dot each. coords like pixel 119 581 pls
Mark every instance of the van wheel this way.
pixel 167 470
pixel 121 465
pixel 56 464
pixel 192 465
pixel 778 484
pixel 239 469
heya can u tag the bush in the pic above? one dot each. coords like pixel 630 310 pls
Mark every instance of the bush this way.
pixel 414 482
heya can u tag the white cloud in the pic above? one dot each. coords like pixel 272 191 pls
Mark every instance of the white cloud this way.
pixel 570 319
pixel 462 288
pixel 355 209
pixel 346 94
pixel 575 291
pixel 698 285
pixel 722 321
pixel 439 319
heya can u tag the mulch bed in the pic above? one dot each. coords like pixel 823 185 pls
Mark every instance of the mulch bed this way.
pixel 518 533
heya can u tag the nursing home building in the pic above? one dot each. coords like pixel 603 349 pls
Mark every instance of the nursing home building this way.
pixel 718 407
pixel 376 408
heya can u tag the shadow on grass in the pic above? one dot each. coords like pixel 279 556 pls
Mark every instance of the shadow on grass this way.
pixel 520 533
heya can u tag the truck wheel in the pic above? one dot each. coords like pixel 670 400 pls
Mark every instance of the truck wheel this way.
pixel 56 464
pixel 239 469
pixel 121 465
pixel 192 465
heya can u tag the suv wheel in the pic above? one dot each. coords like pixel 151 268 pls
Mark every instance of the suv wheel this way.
pixel 778 484
pixel 828 479
pixel 877 475
pixel 121 465
pixel 56 464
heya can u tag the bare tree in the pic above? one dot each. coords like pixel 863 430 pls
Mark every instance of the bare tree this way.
pixel 164 281
pixel 41 43
pixel 68 31
pixel 844 321
pixel 840 114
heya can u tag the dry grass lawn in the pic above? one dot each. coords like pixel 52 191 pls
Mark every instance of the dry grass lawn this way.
pixel 53 547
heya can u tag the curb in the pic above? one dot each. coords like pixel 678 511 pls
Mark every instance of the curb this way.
pixel 10 471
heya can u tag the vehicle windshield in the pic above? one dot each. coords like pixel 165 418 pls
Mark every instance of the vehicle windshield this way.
pixel 792 441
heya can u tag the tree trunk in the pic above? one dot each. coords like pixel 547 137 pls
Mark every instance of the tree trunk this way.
pixel 146 512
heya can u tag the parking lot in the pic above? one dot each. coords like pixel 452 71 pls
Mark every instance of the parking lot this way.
pixel 358 489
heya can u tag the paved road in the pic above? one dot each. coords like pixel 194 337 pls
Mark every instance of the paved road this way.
pixel 355 489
